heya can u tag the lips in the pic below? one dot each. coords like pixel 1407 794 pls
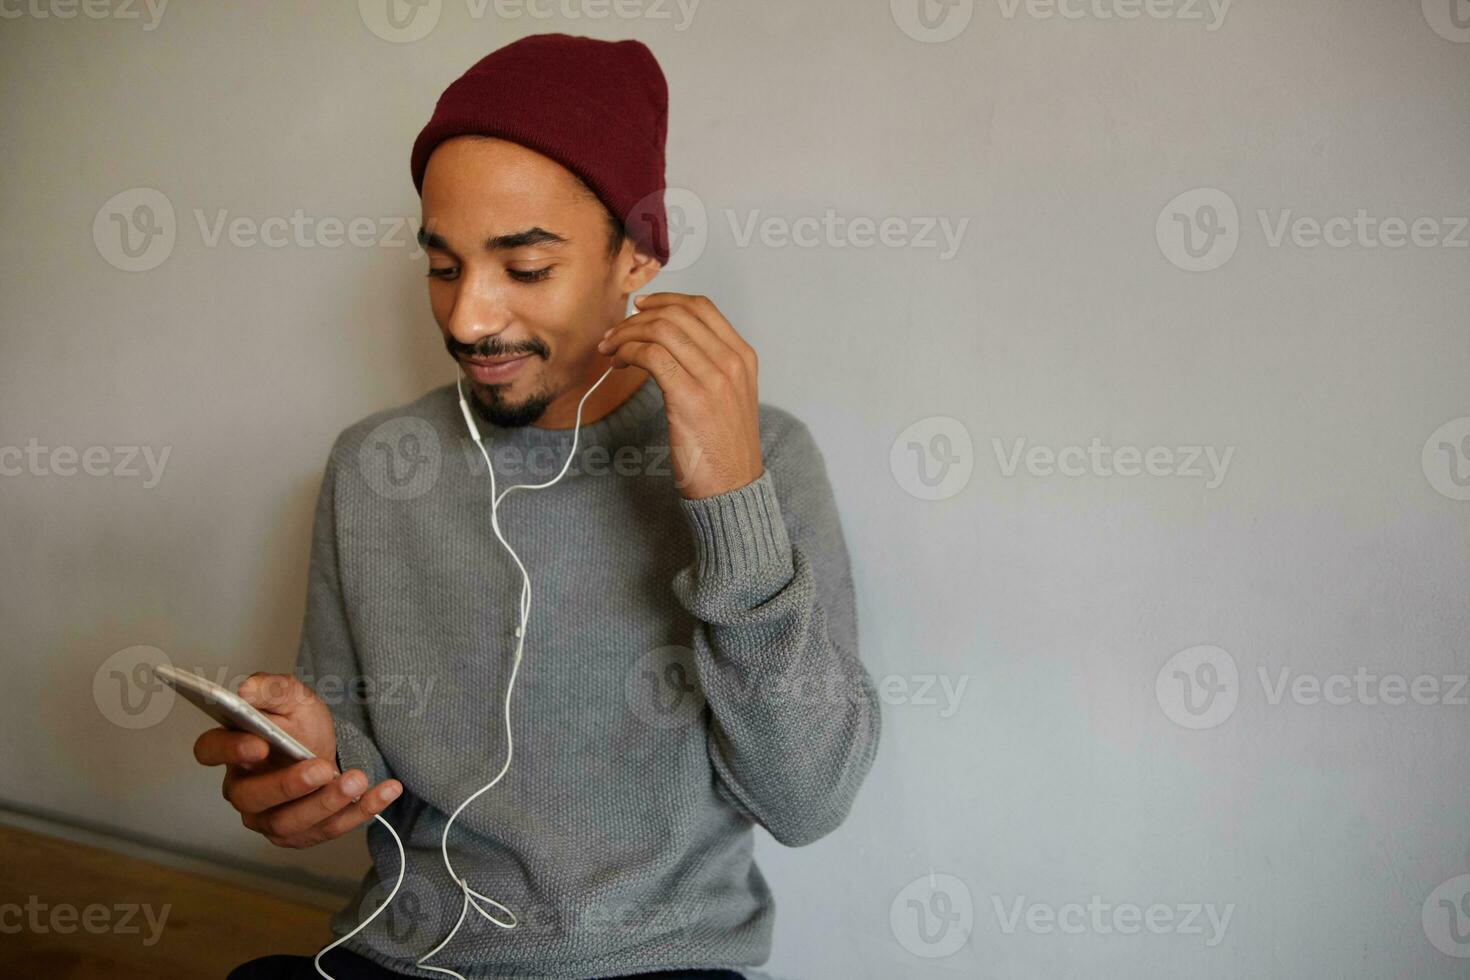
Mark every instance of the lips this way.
pixel 494 370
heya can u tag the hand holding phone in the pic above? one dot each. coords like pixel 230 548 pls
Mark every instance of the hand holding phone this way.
pixel 293 801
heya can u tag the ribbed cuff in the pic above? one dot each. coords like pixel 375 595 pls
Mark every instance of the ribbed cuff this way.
pixel 742 551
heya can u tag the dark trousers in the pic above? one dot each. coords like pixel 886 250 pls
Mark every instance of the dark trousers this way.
pixel 344 964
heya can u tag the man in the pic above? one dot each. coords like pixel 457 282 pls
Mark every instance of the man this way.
pixel 691 664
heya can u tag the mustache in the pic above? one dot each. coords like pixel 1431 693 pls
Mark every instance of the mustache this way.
pixel 487 347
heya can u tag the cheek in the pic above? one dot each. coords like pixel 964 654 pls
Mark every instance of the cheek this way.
pixel 559 309
pixel 441 302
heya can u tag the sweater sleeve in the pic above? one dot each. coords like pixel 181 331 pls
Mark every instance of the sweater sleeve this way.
pixel 326 660
pixel 794 718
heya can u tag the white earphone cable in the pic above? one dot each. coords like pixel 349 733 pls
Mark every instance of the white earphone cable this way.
pixel 525 609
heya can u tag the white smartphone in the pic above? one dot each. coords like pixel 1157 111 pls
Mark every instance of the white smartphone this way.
pixel 231 710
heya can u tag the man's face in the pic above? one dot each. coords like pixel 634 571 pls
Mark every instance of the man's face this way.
pixel 521 281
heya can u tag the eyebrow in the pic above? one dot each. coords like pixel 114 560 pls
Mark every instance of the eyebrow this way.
pixel 519 239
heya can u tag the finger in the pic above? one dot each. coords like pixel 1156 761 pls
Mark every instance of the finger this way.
pixel 657 361
pixel 676 338
pixel 220 746
pixel 291 819
pixel 704 308
pixel 257 792
pixel 694 328
pixel 280 693
pixel 352 815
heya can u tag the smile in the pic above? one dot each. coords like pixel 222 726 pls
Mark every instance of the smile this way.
pixel 494 370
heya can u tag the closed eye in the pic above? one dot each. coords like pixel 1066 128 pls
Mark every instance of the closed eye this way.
pixel 449 273
pixel 529 275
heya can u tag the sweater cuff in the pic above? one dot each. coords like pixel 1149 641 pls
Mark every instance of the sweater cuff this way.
pixel 741 548
pixel 356 751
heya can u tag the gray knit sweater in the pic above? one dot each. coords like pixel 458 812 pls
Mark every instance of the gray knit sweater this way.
pixel 690 669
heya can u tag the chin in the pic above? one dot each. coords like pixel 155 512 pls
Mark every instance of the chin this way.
pixel 511 404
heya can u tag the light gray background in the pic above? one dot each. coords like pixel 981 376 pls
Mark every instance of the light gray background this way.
pixel 1056 600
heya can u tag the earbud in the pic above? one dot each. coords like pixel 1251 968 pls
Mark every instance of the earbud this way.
pixel 464 409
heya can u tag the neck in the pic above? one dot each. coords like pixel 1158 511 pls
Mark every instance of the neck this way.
pixel 618 388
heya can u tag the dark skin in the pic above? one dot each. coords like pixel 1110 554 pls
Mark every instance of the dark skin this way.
pixel 518 264
pixel 297 804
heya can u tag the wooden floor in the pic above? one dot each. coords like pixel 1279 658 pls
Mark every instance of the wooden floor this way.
pixel 73 912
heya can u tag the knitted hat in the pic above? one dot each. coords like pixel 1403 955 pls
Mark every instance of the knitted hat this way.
pixel 598 108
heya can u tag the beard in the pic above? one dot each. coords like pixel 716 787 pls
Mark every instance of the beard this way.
pixel 492 405
pixel 490 400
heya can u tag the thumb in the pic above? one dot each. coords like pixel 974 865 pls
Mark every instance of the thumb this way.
pixel 279 693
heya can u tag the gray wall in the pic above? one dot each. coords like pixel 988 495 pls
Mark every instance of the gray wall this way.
pixel 1113 646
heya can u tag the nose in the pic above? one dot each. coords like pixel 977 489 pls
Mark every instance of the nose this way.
pixel 480 310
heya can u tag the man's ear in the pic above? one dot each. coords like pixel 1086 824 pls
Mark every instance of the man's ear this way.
pixel 639 268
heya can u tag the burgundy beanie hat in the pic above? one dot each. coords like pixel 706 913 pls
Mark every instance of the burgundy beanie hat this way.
pixel 598 108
